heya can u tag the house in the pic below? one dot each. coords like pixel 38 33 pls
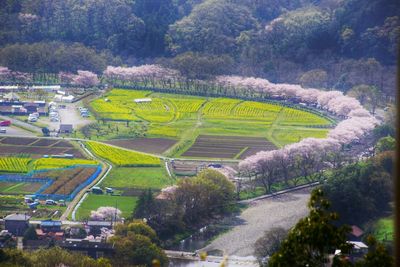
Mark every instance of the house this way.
pixel 16 223
pixel 355 234
pixel 91 248
pixel 96 226
pixel 50 226
pixel 31 107
pixel 65 128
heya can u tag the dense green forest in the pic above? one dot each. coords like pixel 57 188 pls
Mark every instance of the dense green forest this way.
pixel 322 43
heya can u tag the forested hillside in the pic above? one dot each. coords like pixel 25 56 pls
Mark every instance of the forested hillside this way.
pixel 321 43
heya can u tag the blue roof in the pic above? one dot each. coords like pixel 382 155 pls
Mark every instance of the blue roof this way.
pixel 50 223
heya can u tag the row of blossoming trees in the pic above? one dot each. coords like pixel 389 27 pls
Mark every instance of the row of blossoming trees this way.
pixel 308 157
pixel 81 78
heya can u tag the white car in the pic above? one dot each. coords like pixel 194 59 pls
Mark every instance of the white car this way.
pixel 32 119
pixel 3 130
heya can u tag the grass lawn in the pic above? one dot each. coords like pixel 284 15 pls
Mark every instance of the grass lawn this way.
pixel 138 177
pixel 92 202
pixel 384 229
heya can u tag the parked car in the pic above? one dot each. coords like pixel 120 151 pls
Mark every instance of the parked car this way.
pixel 50 202
pixel 3 130
pixel 5 123
pixel 32 119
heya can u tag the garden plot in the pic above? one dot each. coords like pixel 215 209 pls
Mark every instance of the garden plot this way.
pixel 210 146
pixel 148 145
pixel 36 147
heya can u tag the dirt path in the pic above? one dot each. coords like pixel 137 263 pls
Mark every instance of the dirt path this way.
pixel 280 211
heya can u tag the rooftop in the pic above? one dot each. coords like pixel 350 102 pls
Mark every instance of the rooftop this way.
pixel 17 217
pixel 99 223
pixel 50 223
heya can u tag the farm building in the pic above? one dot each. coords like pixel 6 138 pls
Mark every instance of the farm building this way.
pixel 50 229
pixel 142 100
pixel 65 128
pixel 68 99
pixel 63 98
pixel 16 223
pixel 31 107
pixel 49 88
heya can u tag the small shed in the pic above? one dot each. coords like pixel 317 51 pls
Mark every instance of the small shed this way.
pixel 16 223
pixel 65 128
pixel 142 100
pixel 68 99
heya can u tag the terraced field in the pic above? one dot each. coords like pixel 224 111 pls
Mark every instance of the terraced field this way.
pixel 122 157
pixel 185 118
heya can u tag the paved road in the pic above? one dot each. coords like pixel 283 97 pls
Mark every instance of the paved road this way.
pixel 22 124
pixel 17 132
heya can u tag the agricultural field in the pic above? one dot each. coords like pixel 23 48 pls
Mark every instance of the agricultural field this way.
pixel 19 188
pixel 213 146
pixel 54 163
pixel 148 145
pixel 121 157
pixel 67 180
pixel 13 164
pixel 289 135
pixel 92 202
pixel 139 178
pixel 24 165
pixel 183 119
pixel 36 147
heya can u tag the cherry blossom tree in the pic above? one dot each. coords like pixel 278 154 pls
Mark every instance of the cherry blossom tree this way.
pixel 85 78
pixel 105 214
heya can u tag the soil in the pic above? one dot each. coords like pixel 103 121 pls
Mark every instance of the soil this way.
pixel 148 145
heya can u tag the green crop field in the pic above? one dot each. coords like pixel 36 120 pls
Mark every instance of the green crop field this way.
pixel 138 177
pixel 11 164
pixel 184 118
pixel 122 157
pixel 93 202
pixel 53 163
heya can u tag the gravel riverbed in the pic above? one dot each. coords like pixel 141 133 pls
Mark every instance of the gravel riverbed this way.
pixel 279 211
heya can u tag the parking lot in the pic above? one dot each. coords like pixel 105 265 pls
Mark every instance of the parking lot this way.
pixel 68 115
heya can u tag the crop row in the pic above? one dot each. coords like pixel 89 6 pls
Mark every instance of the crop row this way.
pixel 122 157
pixel 68 180
pixel 164 107
pixel 52 163
pixel 12 164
